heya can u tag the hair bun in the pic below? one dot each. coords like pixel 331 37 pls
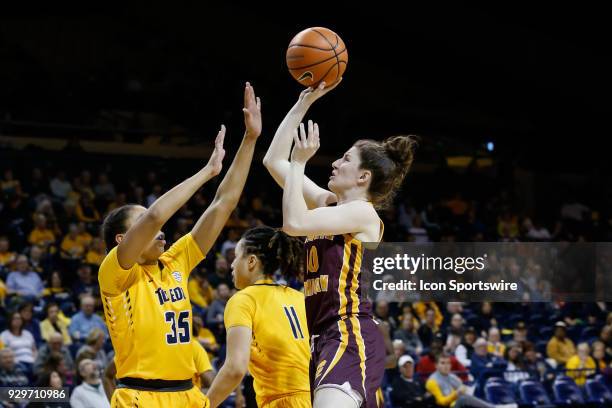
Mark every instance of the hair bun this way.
pixel 401 149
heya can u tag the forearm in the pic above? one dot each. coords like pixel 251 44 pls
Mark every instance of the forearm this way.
pixel 226 381
pixel 164 207
pixel 231 187
pixel 276 159
pixel 294 205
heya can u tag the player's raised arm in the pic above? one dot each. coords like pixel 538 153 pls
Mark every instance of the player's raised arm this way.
pixel 239 339
pixel 276 159
pixel 148 225
pixel 210 224
pixel 298 220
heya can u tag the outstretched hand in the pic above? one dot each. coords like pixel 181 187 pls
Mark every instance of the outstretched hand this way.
pixel 310 95
pixel 252 112
pixel 305 146
pixel 215 163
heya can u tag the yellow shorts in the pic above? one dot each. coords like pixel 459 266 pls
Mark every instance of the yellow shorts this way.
pixel 296 400
pixel 127 397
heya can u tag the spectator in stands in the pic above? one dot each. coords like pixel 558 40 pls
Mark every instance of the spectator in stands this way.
pixel 56 292
pixel 464 351
pixel 599 355
pixel 91 392
pixel 30 323
pixel 429 328
pixel 55 361
pixel 399 348
pixel 421 308
pixel 427 363
pixel 72 247
pixel 560 348
pixel 481 358
pixel 96 252
pixel 408 335
pixel 581 365
pixel 86 320
pixel 606 338
pixel 381 310
pixel 104 190
pixel 495 345
pixel 11 374
pixel 86 283
pixel 54 324
pixel 205 337
pixel 23 281
pixel 20 341
pixel 486 318
pixel 41 234
pixel 7 257
pixel 60 187
pixel 38 263
pixel 456 326
pixel 519 334
pixel 516 369
pixel 448 390
pixel 214 313
pixel 119 201
pixel 55 344
pixel 86 211
pixel 221 274
pixel 83 236
pixel 407 391
pixel 200 292
pixel 156 192
pixel 9 185
pixel 95 344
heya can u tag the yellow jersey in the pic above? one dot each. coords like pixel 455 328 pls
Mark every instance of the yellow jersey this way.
pixel 280 351
pixel 201 362
pixel 148 313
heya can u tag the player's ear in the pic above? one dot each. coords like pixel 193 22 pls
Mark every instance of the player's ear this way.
pixel 252 262
pixel 119 238
pixel 364 177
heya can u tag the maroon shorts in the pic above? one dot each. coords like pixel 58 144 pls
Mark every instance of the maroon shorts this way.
pixel 353 351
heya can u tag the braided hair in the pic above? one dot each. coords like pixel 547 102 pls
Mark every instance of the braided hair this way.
pixel 275 250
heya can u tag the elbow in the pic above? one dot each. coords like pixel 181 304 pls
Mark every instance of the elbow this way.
pixel 236 371
pixel 154 216
pixel 268 162
pixel 291 228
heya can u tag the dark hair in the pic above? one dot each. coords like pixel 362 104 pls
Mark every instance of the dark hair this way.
pixel 275 250
pixel 442 355
pixel 49 306
pixel 389 161
pixel 44 378
pixel 11 316
pixel 24 306
pixel 114 224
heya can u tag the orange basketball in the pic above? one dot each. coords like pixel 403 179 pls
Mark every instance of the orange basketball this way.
pixel 317 54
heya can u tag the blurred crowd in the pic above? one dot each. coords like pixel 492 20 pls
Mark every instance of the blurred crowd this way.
pixel 53 333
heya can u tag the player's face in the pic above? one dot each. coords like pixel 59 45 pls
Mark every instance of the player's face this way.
pixel 241 275
pixel 346 173
pixel 157 246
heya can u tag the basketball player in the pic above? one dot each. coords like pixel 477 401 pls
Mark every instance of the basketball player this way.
pixel 348 356
pixel 144 289
pixel 202 377
pixel 266 324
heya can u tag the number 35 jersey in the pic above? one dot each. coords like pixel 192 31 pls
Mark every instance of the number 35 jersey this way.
pixel 148 313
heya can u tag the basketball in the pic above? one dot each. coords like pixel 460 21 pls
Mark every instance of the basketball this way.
pixel 317 54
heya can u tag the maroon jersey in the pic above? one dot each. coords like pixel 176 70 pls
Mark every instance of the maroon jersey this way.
pixel 332 284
